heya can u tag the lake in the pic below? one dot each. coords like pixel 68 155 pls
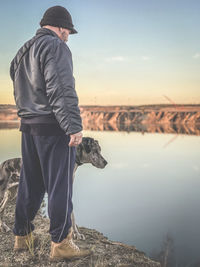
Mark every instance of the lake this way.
pixel 147 196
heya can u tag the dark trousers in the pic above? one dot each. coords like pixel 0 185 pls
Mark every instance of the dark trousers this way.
pixel 48 164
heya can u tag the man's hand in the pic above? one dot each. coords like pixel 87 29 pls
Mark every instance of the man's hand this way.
pixel 75 139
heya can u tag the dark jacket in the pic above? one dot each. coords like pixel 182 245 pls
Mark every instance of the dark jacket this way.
pixel 44 86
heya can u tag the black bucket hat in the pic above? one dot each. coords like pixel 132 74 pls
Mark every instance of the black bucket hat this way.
pixel 58 16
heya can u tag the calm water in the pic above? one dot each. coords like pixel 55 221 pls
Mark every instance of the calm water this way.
pixel 148 191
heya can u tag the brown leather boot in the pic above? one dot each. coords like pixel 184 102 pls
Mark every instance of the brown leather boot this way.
pixel 67 249
pixel 24 242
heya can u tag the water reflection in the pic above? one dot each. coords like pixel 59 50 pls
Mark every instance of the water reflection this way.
pixel 147 196
pixel 166 256
pixel 9 125
pixel 189 129
pixel 193 129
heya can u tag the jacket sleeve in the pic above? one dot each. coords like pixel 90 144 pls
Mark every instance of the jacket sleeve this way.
pixel 60 87
pixel 12 70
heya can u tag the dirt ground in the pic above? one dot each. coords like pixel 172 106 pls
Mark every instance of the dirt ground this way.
pixel 105 252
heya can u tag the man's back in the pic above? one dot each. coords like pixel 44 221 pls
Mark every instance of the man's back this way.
pixel 43 79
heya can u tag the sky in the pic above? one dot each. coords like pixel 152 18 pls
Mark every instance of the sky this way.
pixel 126 52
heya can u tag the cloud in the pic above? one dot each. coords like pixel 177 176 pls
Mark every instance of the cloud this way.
pixel 124 59
pixel 197 55
pixel 145 58
pixel 116 59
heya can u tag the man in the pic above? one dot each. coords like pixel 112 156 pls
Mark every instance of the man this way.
pixel 51 126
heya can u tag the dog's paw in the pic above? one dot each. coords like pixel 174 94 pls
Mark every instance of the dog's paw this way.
pixel 82 237
pixel 77 235
pixel 4 228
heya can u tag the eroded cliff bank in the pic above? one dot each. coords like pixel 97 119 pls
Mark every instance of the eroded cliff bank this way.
pixel 105 252
pixel 155 114
pixel 177 119
pixel 127 114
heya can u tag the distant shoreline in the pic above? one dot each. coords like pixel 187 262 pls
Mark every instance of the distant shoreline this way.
pixel 166 118
pixel 179 119
pixel 122 106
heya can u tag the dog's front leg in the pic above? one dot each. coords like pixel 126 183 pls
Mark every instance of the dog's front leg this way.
pixel 4 227
pixel 76 234
pixel 11 186
pixel 6 196
pixel 4 201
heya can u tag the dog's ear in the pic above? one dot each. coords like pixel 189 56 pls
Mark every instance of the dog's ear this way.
pixel 79 149
pixel 79 153
pixel 87 148
pixel 87 145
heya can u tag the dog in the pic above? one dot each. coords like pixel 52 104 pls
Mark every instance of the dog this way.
pixel 89 151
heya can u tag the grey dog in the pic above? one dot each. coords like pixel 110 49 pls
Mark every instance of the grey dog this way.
pixel 89 151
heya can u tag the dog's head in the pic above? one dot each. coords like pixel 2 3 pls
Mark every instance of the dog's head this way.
pixel 89 151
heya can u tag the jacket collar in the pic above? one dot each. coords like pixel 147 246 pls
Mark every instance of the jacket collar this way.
pixel 45 31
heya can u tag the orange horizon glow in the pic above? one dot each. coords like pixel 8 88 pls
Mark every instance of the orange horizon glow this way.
pixel 108 96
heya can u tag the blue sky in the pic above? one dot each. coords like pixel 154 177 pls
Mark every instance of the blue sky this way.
pixel 126 51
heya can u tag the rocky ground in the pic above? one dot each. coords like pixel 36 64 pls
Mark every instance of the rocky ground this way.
pixel 105 252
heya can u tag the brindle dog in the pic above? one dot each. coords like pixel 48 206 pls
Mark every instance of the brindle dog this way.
pixel 88 151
